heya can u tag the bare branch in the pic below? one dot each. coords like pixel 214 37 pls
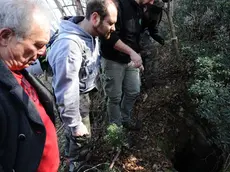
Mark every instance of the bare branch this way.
pixel 60 8
pixel 114 159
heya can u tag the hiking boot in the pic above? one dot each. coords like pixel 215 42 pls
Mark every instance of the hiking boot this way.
pixel 131 125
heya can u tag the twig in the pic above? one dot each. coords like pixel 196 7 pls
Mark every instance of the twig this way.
pixel 226 165
pixel 114 159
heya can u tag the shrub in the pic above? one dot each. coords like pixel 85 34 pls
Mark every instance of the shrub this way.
pixel 115 136
pixel 203 29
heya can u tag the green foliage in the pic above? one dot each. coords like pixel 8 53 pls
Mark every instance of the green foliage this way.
pixel 203 20
pixel 211 92
pixel 203 28
pixel 115 136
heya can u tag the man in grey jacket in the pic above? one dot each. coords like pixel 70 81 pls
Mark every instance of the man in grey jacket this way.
pixel 74 59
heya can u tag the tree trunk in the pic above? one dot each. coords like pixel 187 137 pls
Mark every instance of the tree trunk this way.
pixel 168 10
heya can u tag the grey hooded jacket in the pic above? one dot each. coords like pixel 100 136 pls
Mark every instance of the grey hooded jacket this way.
pixel 74 58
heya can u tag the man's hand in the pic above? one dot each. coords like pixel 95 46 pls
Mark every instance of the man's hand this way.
pixel 142 68
pixel 81 130
pixel 136 59
pixel 133 65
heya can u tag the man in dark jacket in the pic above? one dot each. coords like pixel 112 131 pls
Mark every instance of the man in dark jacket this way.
pixel 122 81
pixel 28 140
pixel 151 20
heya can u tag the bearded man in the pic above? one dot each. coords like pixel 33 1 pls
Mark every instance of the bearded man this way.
pixel 74 58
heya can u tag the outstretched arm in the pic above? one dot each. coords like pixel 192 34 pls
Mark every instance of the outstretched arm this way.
pixel 115 42
pixel 65 58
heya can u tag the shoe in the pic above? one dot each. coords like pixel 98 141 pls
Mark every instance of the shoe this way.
pixel 131 125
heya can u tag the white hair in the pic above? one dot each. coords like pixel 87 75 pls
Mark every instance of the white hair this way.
pixel 17 15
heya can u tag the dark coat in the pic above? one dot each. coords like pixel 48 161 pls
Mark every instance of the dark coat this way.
pixel 131 22
pixel 22 132
pixel 151 20
pixel 128 29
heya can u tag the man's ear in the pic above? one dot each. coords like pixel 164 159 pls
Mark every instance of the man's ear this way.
pixel 5 36
pixel 95 18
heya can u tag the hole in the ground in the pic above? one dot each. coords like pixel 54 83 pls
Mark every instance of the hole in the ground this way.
pixel 198 156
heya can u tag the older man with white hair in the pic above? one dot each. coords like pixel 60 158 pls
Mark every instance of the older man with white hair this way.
pixel 28 140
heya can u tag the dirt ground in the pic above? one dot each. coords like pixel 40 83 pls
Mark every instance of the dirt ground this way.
pixel 159 109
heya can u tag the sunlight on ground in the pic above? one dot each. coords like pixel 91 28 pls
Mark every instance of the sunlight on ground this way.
pixel 134 164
